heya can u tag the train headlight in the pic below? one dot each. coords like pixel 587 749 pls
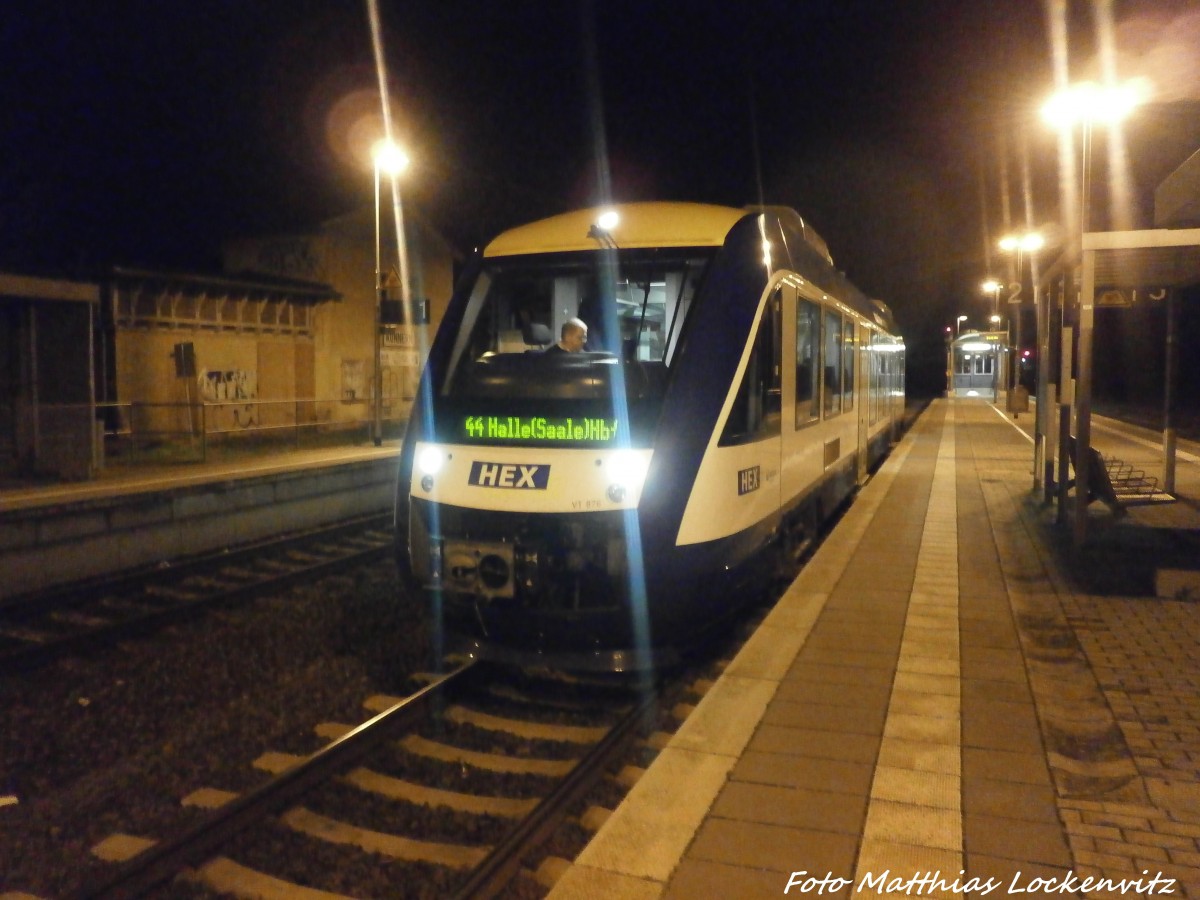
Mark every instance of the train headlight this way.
pixel 429 462
pixel 626 471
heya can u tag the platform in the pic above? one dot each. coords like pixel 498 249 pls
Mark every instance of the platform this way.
pixel 934 707
pixel 128 479
pixel 131 517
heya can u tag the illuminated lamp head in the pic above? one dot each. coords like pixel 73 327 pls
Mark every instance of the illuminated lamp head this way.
pixel 626 470
pixel 429 462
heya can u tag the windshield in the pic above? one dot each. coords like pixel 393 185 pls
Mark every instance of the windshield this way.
pixel 633 304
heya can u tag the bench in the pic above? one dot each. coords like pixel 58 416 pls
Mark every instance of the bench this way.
pixel 1112 480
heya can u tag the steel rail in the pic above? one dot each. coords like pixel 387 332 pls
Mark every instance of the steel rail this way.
pixel 75 593
pixel 36 654
pixel 500 866
pixel 162 861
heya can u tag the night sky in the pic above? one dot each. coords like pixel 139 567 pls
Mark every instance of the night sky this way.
pixel 145 133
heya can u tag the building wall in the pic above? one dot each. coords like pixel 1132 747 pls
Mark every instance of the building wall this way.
pixel 235 376
pixel 342 255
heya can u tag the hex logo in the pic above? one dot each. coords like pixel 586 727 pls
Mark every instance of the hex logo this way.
pixel 517 476
pixel 749 480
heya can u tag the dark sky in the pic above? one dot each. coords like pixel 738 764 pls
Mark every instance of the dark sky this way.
pixel 144 133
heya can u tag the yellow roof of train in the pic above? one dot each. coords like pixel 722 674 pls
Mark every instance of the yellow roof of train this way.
pixel 638 225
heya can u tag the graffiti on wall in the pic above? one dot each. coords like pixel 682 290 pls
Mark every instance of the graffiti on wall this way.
pixel 220 385
pixel 354 380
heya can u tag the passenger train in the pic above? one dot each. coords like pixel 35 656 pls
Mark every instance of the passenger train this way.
pixel 612 508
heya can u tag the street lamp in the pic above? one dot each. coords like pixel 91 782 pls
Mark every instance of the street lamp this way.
pixel 958 325
pixel 1082 104
pixel 1029 242
pixel 992 286
pixel 388 157
pixel 1086 104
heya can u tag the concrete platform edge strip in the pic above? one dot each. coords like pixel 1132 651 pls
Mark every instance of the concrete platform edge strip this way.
pixel 639 847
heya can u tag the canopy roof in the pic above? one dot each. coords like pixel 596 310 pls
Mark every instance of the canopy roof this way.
pixel 1152 258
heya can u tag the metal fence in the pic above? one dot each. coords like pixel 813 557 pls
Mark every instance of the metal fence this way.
pixel 196 432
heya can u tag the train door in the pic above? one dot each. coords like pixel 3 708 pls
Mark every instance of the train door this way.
pixel 862 385
pixel 802 447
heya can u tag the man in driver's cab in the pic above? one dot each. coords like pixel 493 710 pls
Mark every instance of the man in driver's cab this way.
pixel 573 337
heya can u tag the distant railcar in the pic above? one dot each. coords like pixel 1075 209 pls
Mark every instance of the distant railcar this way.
pixel 606 510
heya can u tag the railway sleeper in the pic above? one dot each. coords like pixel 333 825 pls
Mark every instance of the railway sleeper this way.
pixel 491 762
pixel 535 731
pixel 126 606
pixel 224 876
pixel 76 617
pixel 26 635
pixel 410 792
pixel 242 574
pixel 455 856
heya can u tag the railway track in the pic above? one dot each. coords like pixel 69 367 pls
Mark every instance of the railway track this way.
pixel 38 628
pixel 481 772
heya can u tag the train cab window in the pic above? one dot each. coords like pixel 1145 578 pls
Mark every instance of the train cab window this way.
pixel 808 358
pixel 635 310
pixel 832 389
pixel 757 405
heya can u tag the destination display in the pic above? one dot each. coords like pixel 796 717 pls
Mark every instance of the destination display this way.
pixel 539 428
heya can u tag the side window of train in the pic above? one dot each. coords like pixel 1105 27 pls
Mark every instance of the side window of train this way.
pixel 757 405
pixel 848 365
pixel 875 375
pixel 833 363
pixel 808 358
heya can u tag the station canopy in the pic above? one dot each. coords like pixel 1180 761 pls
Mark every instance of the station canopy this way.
pixel 1155 258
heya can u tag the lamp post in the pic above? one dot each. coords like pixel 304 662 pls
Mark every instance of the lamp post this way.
pixel 958 325
pixel 1084 104
pixel 1029 242
pixel 994 320
pixel 390 158
pixel 992 286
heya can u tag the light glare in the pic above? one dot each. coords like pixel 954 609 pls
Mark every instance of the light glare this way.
pixel 1093 103
pixel 389 157
pixel 430 460
pixel 628 468
pixel 1030 242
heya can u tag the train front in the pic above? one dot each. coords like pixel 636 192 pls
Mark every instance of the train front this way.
pixel 524 466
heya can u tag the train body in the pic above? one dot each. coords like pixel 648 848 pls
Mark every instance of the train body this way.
pixel 605 510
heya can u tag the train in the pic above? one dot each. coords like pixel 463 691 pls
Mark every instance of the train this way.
pixel 611 510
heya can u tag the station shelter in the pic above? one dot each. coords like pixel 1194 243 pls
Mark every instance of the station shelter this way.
pixel 47 391
pixel 1106 271
pixel 977 364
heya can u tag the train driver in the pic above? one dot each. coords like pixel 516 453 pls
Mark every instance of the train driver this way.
pixel 573 337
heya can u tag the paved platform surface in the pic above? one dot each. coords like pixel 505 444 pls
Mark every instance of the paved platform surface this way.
pixel 934 708
pixel 125 479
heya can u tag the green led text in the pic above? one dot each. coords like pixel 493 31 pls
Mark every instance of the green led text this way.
pixel 536 428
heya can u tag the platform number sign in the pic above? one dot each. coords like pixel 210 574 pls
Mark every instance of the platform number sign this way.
pixel 749 480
